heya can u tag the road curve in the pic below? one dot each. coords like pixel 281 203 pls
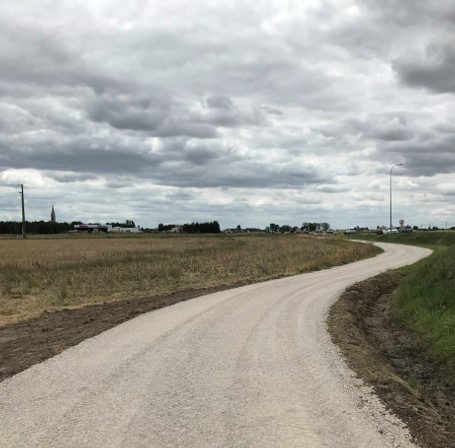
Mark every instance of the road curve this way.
pixel 248 367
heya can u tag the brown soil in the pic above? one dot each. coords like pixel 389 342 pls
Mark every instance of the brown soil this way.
pixel 376 346
pixel 388 358
pixel 30 342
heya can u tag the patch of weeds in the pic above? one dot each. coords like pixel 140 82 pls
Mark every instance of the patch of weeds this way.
pixel 413 382
pixel 63 294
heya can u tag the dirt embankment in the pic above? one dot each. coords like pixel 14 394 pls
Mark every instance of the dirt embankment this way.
pixel 387 357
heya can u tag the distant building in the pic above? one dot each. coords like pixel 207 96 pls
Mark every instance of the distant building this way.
pixel 53 217
pixel 125 229
pixel 93 228
pixel 106 228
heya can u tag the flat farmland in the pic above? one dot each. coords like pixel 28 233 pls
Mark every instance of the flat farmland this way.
pixel 48 274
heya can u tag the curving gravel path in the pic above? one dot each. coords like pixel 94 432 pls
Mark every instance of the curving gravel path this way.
pixel 249 367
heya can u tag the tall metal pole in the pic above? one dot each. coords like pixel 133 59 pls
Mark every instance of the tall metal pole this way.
pixel 23 211
pixel 396 164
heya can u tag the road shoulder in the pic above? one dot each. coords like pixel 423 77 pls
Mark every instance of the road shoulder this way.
pixel 386 356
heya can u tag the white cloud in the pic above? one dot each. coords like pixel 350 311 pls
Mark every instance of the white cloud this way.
pixel 243 112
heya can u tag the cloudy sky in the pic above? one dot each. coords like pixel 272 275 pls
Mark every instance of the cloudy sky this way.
pixel 240 111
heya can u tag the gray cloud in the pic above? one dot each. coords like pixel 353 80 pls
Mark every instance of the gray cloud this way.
pixel 254 100
pixel 86 159
pixel 388 127
pixel 433 69
pixel 220 102
pixel 127 112
pixel 427 157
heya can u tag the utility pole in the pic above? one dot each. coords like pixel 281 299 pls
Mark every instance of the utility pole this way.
pixel 23 210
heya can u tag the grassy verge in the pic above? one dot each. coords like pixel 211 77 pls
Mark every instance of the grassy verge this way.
pixel 46 274
pixel 425 300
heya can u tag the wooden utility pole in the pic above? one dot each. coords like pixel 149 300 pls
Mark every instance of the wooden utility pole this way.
pixel 23 211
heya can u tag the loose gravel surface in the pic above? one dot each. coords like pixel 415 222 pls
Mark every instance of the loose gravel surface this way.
pixel 249 367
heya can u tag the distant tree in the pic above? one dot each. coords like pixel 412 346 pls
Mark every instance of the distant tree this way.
pixel 310 226
pixel 165 227
pixel 10 227
pixel 274 227
pixel 325 226
pixel 204 227
pixel 216 227
pixel 37 227
pixel 127 224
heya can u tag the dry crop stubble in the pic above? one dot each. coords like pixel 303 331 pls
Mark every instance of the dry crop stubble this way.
pixel 46 274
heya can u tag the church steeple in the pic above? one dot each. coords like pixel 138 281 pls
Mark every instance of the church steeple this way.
pixel 53 218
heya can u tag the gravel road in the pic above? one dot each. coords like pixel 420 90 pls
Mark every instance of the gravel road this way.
pixel 248 367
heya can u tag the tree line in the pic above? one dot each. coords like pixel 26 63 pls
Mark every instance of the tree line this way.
pixel 306 227
pixel 48 227
pixel 41 227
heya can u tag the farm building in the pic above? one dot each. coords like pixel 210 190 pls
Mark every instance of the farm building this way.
pixel 93 228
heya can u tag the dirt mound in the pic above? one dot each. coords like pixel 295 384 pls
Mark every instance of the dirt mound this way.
pixel 386 356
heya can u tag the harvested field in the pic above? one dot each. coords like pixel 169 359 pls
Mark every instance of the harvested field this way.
pixel 49 274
